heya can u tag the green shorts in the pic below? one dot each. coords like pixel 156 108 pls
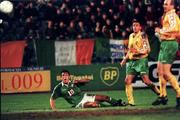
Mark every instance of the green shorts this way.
pixel 137 66
pixel 168 51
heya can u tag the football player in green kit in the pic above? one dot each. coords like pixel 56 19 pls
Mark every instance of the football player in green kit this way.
pixel 73 95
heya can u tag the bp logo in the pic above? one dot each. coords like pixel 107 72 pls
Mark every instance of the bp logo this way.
pixel 109 75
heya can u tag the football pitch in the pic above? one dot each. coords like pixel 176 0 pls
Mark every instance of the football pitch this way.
pixel 36 106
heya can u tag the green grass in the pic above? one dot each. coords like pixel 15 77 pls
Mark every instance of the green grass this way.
pixel 40 101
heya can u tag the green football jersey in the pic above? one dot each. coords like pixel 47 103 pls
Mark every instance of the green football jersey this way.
pixel 71 93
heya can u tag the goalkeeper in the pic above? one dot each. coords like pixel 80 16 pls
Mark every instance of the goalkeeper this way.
pixel 138 49
pixel 72 94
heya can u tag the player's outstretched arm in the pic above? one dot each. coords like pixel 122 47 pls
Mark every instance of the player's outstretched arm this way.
pixel 52 104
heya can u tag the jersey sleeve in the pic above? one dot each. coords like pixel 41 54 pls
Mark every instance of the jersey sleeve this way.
pixel 146 45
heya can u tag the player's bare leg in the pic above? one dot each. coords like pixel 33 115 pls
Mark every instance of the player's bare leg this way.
pixel 162 99
pixel 162 81
pixel 129 89
pixel 91 105
pixel 150 84
pixel 173 81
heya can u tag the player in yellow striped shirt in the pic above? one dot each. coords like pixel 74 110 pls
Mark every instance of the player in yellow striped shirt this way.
pixel 138 49
pixel 169 46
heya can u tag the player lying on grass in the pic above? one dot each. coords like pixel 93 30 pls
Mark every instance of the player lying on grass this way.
pixel 72 94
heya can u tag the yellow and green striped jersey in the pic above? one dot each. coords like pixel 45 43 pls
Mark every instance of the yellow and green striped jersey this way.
pixel 138 46
pixel 170 25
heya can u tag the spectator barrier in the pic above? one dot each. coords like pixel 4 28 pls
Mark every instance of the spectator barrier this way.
pixel 100 76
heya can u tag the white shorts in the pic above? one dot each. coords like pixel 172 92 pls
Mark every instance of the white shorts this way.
pixel 86 98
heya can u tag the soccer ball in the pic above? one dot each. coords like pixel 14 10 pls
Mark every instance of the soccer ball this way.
pixel 6 7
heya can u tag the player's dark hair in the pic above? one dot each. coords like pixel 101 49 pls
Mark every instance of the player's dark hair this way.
pixel 136 21
pixel 65 71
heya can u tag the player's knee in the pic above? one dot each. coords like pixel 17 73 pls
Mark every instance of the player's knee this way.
pixel 127 81
pixel 91 104
pixel 146 82
pixel 166 75
pixel 94 104
pixel 146 79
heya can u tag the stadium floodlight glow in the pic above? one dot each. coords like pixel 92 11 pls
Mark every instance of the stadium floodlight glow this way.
pixel 6 7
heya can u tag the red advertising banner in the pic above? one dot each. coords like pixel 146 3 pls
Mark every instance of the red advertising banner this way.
pixel 12 54
pixel 84 51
